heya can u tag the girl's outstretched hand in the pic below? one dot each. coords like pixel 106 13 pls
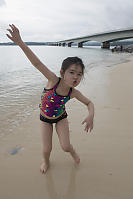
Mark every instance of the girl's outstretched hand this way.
pixel 89 123
pixel 15 35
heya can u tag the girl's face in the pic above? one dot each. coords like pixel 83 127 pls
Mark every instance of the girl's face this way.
pixel 73 75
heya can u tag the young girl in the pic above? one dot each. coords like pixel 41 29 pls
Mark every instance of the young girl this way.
pixel 57 92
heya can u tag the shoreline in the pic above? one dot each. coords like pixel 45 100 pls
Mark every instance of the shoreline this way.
pixel 105 170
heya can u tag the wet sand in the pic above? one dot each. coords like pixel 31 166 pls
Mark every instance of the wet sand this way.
pixel 105 171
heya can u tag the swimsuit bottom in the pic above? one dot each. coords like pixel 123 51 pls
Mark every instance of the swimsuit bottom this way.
pixel 51 121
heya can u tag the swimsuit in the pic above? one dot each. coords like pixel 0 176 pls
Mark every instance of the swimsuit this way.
pixel 51 121
pixel 53 105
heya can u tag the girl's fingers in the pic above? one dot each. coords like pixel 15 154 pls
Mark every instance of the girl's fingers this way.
pixel 9 36
pixel 83 122
pixel 10 31
pixel 91 128
pixel 14 27
pixel 86 128
pixel 11 26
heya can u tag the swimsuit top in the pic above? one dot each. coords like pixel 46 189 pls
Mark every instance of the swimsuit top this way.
pixel 53 104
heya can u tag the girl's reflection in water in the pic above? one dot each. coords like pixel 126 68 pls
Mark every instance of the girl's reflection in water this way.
pixel 69 192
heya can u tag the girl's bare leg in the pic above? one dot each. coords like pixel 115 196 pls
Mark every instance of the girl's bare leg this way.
pixel 62 129
pixel 47 132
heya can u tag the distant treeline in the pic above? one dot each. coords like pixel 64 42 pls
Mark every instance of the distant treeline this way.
pixel 90 43
pixel 30 44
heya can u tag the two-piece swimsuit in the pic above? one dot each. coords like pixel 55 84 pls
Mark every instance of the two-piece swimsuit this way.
pixel 52 106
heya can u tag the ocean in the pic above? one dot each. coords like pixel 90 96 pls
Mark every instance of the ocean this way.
pixel 21 84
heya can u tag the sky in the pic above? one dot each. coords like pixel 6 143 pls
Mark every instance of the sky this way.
pixel 45 20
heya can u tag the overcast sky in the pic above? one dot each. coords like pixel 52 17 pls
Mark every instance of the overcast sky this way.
pixel 45 20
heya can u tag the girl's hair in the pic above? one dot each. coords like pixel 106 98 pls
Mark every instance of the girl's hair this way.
pixel 72 60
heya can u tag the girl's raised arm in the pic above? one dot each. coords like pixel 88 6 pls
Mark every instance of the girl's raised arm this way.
pixel 16 38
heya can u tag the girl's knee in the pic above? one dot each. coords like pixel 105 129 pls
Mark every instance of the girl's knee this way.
pixel 66 148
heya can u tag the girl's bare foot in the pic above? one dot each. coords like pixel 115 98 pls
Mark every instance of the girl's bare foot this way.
pixel 44 167
pixel 75 157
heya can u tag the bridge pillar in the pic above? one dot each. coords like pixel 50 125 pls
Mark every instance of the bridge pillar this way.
pixel 70 44
pixel 80 45
pixel 63 44
pixel 105 44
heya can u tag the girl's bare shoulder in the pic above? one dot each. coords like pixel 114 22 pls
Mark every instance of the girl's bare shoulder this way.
pixel 74 93
pixel 51 83
pixel 79 96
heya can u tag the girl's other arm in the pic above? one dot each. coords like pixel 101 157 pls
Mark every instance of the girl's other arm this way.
pixel 16 38
pixel 89 119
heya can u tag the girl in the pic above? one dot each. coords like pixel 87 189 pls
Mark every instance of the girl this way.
pixel 57 92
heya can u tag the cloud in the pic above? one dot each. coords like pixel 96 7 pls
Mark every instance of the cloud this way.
pixel 2 2
pixel 44 20
pixel 120 15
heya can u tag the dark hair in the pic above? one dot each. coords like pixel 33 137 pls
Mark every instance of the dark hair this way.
pixel 72 60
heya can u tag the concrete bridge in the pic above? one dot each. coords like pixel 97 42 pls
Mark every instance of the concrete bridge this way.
pixel 104 38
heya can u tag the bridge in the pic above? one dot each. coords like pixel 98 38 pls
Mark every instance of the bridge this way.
pixel 104 38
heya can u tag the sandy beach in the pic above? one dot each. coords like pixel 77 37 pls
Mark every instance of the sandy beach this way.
pixel 105 171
